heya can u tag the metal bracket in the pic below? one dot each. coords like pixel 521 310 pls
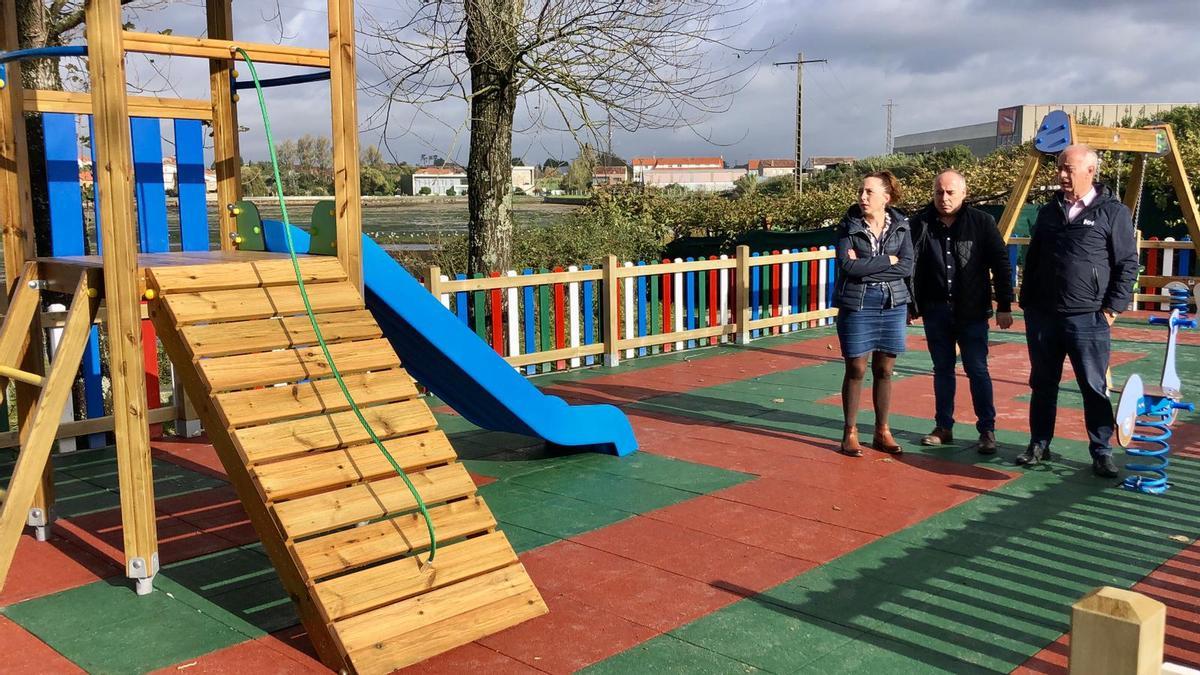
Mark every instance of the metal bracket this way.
pixel 40 521
pixel 137 567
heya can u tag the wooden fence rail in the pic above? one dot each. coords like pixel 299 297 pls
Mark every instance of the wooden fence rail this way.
pixel 555 319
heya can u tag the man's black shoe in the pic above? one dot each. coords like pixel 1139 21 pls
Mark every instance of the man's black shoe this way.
pixel 1035 453
pixel 1103 467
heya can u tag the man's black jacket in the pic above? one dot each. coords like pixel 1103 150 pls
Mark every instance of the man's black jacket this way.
pixel 1085 265
pixel 976 248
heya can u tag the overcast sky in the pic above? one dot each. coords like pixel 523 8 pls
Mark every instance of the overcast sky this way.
pixel 944 63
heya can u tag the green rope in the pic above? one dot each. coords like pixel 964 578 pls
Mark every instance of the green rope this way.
pixel 312 318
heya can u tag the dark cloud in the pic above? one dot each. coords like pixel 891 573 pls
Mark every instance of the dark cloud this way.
pixel 944 63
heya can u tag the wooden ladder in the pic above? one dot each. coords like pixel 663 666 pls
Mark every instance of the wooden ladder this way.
pixel 37 437
pixel 339 525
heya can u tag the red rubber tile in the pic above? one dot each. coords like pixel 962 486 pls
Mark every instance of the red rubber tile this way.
pixel 470 658
pixel 481 480
pixel 196 454
pixel 177 540
pixel 1050 661
pixel 779 532
pixel 634 591
pixel 571 637
pixel 709 558
pixel 42 568
pixel 217 512
pixel 24 653
pixel 261 657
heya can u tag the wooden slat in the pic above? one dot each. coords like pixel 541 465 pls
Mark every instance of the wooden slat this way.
pixel 367 501
pixel 276 272
pixel 303 399
pixel 290 365
pixel 260 335
pixel 326 432
pixel 407 632
pixel 1117 139
pixel 260 303
pixel 402 579
pixel 10 439
pixel 317 472
pixel 387 539
pixel 80 103
pixel 209 48
pixel 490 283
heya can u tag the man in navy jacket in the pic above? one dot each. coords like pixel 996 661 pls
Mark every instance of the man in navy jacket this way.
pixel 1079 273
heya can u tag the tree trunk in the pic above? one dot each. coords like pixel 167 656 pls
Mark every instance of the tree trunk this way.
pixel 490 44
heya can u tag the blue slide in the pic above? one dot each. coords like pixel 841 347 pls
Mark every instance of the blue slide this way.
pixel 452 362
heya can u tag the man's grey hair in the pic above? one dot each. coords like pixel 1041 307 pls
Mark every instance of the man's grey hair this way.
pixel 950 172
pixel 1090 155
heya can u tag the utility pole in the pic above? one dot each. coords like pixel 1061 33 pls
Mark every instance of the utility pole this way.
pixel 888 142
pixel 799 63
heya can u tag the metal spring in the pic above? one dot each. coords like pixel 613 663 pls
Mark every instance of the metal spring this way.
pixel 1154 447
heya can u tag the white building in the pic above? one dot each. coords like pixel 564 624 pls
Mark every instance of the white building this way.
pixel 643 165
pixel 769 168
pixel 439 179
pixel 523 178
pixel 698 180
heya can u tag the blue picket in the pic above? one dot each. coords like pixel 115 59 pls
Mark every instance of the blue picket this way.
pixel 1183 261
pixel 830 282
pixel 95 193
pixel 151 195
pixel 531 343
pixel 689 302
pixel 589 322
pixel 794 291
pixel 67 238
pixel 1013 255
pixel 189 162
pixel 755 300
pixel 641 307
pixel 461 303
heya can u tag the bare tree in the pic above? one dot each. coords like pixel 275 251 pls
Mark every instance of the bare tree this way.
pixel 640 63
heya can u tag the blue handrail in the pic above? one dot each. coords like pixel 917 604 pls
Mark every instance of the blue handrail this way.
pixel 43 53
pixel 283 81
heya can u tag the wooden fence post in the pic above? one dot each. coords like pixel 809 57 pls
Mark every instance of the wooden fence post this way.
pixel 610 294
pixel 742 336
pixel 432 278
pixel 1117 631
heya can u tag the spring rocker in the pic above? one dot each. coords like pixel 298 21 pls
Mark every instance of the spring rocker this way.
pixel 375 528
pixel 1145 413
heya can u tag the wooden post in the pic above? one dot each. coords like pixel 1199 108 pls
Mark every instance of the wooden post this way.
pixel 1138 234
pixel 346 166
pixel 1020 192
pixel 16 221
pixel 114 192
pixel 1117 632
pixel 742 335
pixel 1183 191
pixel 1132 195
pixel 226 155
pixel 609 305
pixel 433 280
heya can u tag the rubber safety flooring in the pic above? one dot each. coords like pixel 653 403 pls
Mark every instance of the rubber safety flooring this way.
pixel 736 540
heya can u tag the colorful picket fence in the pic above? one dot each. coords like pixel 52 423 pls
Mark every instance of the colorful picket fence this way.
pixel 1161 263
pixel 552 320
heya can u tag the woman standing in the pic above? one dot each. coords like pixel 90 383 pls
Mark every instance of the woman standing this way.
pixel 875 259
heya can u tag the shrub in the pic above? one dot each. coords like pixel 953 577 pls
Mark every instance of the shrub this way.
pixel 425 191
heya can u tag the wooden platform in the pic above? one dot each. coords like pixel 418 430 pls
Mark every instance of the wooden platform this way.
pixel 339 524
pixel 59 270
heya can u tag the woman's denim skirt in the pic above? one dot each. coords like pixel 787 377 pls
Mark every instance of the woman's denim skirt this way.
pixel 877 327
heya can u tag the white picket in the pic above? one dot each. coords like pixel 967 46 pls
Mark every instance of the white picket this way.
pixel 573 314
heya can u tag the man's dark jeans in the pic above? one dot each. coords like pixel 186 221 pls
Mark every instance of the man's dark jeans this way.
pixel 1084 338
pixel 942 332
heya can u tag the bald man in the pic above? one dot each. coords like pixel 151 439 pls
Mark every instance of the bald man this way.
pixel 960 259
pixel 1079 273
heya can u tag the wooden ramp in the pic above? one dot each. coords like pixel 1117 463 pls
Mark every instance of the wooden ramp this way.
pixel 338 523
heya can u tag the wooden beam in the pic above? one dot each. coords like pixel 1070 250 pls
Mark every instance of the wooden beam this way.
pixel 79 103
pixel 94 425
pixel 346 165
pixel 118 230
pixel 226 154
pixel 16 221
pixel 213 48
pixel 1117 139
pixel 1020 193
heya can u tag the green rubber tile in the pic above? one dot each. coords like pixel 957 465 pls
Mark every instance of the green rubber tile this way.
pixel 561 517
pixel 241 582
pixel 501 466
pixel 766 636
pixel 106 628
pixel 669 655
pixel 876 654
pixel 524 539
pixel 505 497
pixel 699 478
pixel 627 494
pixel 846 597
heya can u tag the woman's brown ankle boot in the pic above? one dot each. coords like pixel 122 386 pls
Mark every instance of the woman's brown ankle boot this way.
pixel 850 445
pixel 884 442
